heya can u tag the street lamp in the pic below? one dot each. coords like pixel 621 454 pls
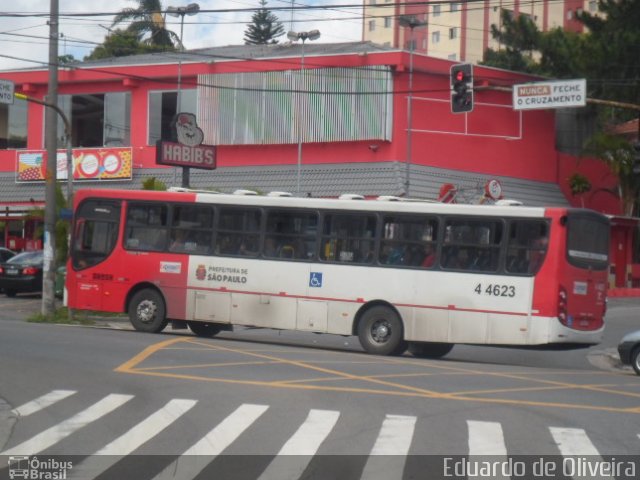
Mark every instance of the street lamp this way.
pixel 294 37
pixel 412 22
pixel 190 9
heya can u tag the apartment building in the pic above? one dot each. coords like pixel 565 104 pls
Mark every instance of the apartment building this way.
pixel 461 31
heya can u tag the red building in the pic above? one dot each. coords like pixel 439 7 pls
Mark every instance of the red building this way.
pixel 340 124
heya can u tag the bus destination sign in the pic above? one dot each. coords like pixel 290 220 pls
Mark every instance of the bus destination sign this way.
pixel 541 95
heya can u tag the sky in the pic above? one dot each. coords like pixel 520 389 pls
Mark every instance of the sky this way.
pixel 24 38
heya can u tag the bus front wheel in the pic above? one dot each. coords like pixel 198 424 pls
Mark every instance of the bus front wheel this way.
pixel 380 332
pixel 203 329
pixel 429 349
pixel 147 312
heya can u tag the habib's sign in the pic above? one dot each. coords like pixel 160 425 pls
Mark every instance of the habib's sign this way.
pixel 188 151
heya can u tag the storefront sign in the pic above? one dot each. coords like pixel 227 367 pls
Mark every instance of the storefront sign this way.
pixel 200 156
pixel 96 164
pixel 188 151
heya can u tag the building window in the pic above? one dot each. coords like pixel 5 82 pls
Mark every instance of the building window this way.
pixel 372 25
pixel 163 109
pixel 452 56
pixel 453 33
pixel 455 7
pixel 436 10
pixel 435 37
pixel 410 45
pixel 97 120
pixel 387 22
pixel 13 125
pixel 593 5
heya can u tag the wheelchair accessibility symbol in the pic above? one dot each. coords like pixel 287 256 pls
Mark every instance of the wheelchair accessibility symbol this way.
pixel 315 279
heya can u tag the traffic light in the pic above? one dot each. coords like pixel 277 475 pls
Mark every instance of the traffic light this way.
pixel 461 88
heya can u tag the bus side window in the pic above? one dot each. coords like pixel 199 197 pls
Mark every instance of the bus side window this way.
pixel 527 246
pixel 290 234
pixel 409 240
pixel 471 244
pixel 238 231
pixel 345 236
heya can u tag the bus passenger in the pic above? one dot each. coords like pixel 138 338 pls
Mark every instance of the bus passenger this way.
pixel 429 256
pixel 537 254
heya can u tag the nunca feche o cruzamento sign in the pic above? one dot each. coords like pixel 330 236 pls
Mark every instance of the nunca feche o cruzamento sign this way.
pixel 541 95
pixel 188 151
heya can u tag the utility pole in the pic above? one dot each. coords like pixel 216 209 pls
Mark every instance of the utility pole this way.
pixel 51 143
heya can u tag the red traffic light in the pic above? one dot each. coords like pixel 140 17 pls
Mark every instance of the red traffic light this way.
pixel 461 80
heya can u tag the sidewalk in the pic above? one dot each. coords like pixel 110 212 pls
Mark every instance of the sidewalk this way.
pixel 623 292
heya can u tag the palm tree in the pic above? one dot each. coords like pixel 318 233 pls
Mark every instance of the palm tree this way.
pixel 619 155
pixel 147 22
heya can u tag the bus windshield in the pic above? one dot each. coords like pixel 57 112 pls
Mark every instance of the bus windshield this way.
pixel 587 240
pixel 96 232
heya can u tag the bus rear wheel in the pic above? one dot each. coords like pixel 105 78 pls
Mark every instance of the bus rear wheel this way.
pixel 203 329
pixel 147 312
pixel 380 332
pixel 429 349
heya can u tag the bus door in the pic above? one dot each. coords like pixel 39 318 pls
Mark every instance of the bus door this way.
pixel 583 282
pixel 95 236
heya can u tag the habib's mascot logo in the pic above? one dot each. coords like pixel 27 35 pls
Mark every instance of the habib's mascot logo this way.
pixel 201 272
pixel 187 130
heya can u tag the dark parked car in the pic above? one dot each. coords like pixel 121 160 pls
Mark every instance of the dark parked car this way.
pixel 6 254
pixel 629 350
pixel 22 273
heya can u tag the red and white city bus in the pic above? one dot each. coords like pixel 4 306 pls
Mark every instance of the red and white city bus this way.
pixel 398 274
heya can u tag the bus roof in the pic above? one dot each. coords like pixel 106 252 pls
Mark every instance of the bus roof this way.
pixel 345 202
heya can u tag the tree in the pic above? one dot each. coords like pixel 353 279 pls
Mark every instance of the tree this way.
pixel 606 54
pixel 619 155
pixel 519 38
pixel 579 185
pixel 152 183
pixel 613 50
pixel 67 59
pixel 264 27
pixel 148 24
pixel 120 43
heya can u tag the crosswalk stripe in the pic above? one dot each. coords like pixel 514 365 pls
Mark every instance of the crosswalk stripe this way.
pixel 62 430
pixel 486 438
pixel 486 443
pixel 42 402
pixel 298 451
pixel 148 428
pixel 311 433
pixel 395 435
pixel 394 441
pixel 213 443
pixel 132 439
pixel 574 442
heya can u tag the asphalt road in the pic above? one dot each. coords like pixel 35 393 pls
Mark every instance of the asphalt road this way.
pixel 266 404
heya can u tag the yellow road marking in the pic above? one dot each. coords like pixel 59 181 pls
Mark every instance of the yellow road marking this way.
pixel 396 389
